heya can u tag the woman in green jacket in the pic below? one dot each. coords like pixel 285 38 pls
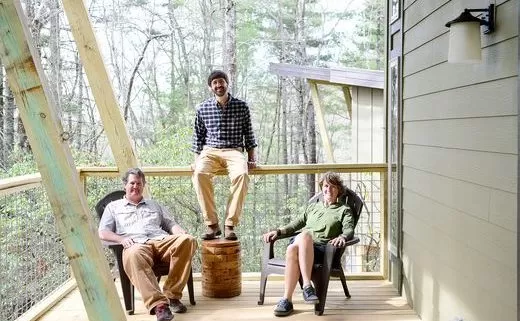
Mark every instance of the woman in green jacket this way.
pixel 330 221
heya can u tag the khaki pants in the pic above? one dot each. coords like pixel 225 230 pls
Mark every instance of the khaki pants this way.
pixel 139 259
pixel 209 162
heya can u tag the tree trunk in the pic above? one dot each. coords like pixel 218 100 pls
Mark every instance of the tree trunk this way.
pixel 55 59
pixel 207 62
pixel 8 123
pixel 3 152
pixel 79 109
pixel 229 60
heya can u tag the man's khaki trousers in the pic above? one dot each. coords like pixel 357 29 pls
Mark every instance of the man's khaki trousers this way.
pixel 138 260
pixel 210 161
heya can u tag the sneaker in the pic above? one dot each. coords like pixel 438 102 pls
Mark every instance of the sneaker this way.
pixel 177 306
pixel 309 295
pixel 283 308
pixel 230 233
pixel 163 312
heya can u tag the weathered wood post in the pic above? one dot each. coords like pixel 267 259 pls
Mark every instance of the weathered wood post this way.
pixel 49 144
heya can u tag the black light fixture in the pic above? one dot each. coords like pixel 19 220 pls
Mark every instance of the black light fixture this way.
pixel 465 34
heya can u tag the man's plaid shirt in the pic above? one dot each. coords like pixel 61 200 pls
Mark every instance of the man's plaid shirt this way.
pixel 228 127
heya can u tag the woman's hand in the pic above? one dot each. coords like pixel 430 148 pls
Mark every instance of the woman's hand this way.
pixel 270 236
pixel 338 241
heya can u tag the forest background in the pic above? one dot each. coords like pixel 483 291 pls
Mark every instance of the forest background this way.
pixel 159 54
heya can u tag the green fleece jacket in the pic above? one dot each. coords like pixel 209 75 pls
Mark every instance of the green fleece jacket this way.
pixel 324 222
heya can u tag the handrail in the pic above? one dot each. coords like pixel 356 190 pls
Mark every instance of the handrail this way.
pixel 19 183
pixel 260 170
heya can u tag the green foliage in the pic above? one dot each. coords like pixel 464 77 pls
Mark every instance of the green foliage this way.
pixel 369 39
pixel 171 148
pixel 22 164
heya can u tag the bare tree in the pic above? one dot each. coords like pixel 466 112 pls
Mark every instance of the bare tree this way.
pixel 229 48
pixel 3 152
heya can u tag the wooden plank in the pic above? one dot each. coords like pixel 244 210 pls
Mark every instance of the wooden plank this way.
pixel 357 77
pixel 371 301
pixel 331 76
pixel 50 148
pixel 488 134
pixel 100 85
pixel 321 122
pixel 40 308
pixel 13 185
pixel 261 170
pixel 348 100
pixel 492 170
pixel 494 98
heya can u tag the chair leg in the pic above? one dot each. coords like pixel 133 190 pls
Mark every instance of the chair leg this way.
pixel 128 293
pixel 344 284
pixel 263 282
pixel 126 287
pixel 190 289
pixel 321 292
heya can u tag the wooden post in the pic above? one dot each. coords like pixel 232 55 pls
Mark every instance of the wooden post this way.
pixel 321 121
pixel 348 100
pixel 49 144
pixel 100 84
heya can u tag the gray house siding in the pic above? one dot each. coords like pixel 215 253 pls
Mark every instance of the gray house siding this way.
pixel 460 158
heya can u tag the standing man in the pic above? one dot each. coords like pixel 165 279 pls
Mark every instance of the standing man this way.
pixel 222 133
pixel 149 234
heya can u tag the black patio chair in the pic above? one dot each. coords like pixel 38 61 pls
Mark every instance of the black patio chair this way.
pixel 160 268
pixel 321 273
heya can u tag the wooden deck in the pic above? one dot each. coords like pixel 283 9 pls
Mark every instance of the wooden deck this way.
pixel 371 301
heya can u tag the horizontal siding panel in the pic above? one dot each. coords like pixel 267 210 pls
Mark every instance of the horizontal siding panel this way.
pixel 432 53
pixel 503 209
pixel 499 61
pixel 499 281
pixel 496 171
pixel 492 134
pixel 495 98
pixel 443 294
pixel 426 30
pixel 420 10
pixel 487 242
pixel 459 195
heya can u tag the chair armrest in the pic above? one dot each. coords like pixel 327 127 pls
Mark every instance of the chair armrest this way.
pixel 269 247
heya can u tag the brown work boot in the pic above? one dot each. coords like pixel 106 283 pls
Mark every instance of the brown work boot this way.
pixel 230 233
pixel 212 232
pixel 163 312
pixel 177 306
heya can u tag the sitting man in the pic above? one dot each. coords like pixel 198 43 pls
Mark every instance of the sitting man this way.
pixel 148 234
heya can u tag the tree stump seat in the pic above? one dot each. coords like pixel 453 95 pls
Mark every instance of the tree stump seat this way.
pixel 221 268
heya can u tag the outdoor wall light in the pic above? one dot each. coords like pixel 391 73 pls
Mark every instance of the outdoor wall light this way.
pixel 464 43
